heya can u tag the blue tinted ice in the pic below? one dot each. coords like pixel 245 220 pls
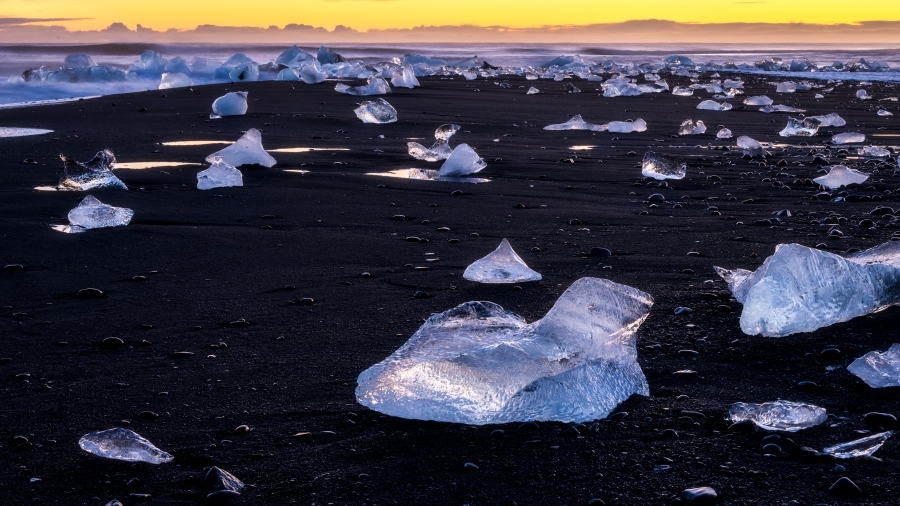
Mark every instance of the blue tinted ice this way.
pixel 96 173
pixel 502 265
pixel 122 444
pixel 248 150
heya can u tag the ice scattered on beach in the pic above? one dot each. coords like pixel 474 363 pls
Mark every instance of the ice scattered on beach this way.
pixel 375 86
pixel 532 91
pixel 230 104
pixel 758 100
pixel 440 150
pixel 174 80
pixel 6 132
pixel 712 105
pixel 659 166
pixel 122 444
pixel 779 415
pixel 882 112
pixel 248 150
pixel 724 134
pixel 863 95
pixel 688 127
pixel 780 108
pixel 502 265
pixel 91 213
pixel 848 138
pixel 864 447
pixel 874 152
pixel 807 127
pixel 682 92
pixel 878 370
pixel 623 127
pixel 839 175
pixel 751 147
pixel 576 123
pixel 785 87
pixel 479 364
pixel 219 175
pixel 405 78
pixel 378 112
pixel 96 173
pixel 462 161
pixel 830 120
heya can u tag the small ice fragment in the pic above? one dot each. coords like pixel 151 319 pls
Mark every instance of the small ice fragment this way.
pixel 623 127
pixel 570 88
pixel 230 104
pixel 220 479
pixel 503 265
pixel 874 152
pixel 479 364
pixel 533 91
pixel 122 444
pixel 779 415
pixel 808 127
pixel 91 213
pixel 882 112
pixel 219 175
pixel 724 134
pixel 751 147
pixel 758 100
pixel 248 150
pixel 864 447
pixel 462 162
pixel 689 128
pixel 406 78
pixel 469 75
pixel 878 370
pixel 848 138
pixel 576 123
pixel 96 173
pixel 818 96
pixel 785 87
pixel 780 108
pixel 440 150
pixel 659 166
pixel 863 95
pixel 7 132
pixel 712 105
pixel 682 92
pixel 375 86
pixel 174 80
pixel 840 175
pixel 379 111
pixel 830 120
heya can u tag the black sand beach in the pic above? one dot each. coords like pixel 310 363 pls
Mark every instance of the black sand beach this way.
pixel 214 257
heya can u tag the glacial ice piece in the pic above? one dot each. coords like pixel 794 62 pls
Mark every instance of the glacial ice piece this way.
pixel 576 123
pixel 780 108
pixel 878 370
pixel 150 61
pixel 6 132
pixel 292 56
pixel 462 162
pixel 78 61
pixel 830 120
pixel 785 87
pixel 174 80
pixel 682 92
pixel 848 138
pixel 231 104
pixel 219 175
pixel 659 166
pixel 503 265
pixel 678 60
pixel 712 105
pixel 620 88
pixel 406 78
pixel 864 447
pixel 178 65
pixel 327 56
pixel 532 91
pixel 623 127
pixel 758 100
pixel 863 95
pixel 91 213
pixel 883 112
pixel 808 127
pixel 122 444
pixel 840 175
pixel 779 415
pixel 219 479
pixel 379 111
pixel 311 73
pixel 751 147
pixel 96 173
pixel 440 150
pixel 874 152
pixel 479 364
pixel 375 86
pixel 724 134
pixel 248 150
pixel 688 127
pixel 801 289
pixel 571 88
pixel 288 74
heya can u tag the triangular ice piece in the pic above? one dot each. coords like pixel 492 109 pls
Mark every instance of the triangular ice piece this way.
pixel 248 150
pixel 503 265
pixel 840 175
pixel 462 162
pixel 122 444
pixel 96 173
pixel 219 175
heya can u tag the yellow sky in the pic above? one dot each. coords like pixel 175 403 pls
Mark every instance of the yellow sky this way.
pixel 367 14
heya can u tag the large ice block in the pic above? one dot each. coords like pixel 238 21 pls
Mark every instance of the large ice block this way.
pixel 479 364
pixel 848 138
pixel 840 175
pixel 122 444
pixel 96 173
pixel 91 213
pixel 375 86
pixel 576 123
pixel 248 150
pixel 78 61
pixel 878 370
pixel 379 111
pixel 310 72
pixel 751 147
pixel 801 289
pixel 758 100
pixel 712 105
pixel 682 92
pixel 623 127
pixel 405 78
pixel 688 127
pixel 463 160
pixel 863 447
pixel 503 265
pixel 219 175
pixel 779 415
pixel 440 150
pixel 174 80
pixel 326 56
pixel 807 127
pixel 659 166
pixel 231 104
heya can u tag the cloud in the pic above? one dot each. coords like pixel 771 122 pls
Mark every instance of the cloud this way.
pixel 6 21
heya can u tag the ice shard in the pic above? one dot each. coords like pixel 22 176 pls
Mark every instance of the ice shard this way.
pixel 174 80
pixel 248 150
pixel 479 364
pixel 659 166
pixel 758 100
pixel 688 127
pixel 840 175
pixel 91 213
pixel 462 161
pixel 576 123
pixel 406 78
pixel 864 447
pixel 751 147
pixel 375 86
pixel 230 104
pixel 219 175
pixel 379 111
pixel 883 112
pixel 724 134
pixel 6 132
pixel 122 444
pixel 801 289
pixel 624 127
pixel 830 120
pixel 682 92
pixel 779 415
pixel 712 105
pixel 780 108
pixel 96 173
pixel 503 265
pixel 808 127
pixel 863 95
pixel 311 73
pixel 440 150
pixel 848 138
pixel 532 91
pixel 878 370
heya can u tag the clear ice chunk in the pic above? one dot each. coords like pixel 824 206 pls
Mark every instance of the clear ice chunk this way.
pixel 724 134
pixel 576 123
pixel 751 147
pixel 326 56
pixel 6 132
pixel 801 289
pixel 624 127
pixel 688 127
pixel 848 138
pixel 682 92
pixel 479 364
pixel 874 152
pixel 375 86
pixel 779 415
pixel 864 447
pixel 122 444
pixel 379 111
pixel 878 370
pixel 231 104
pixel 248 150
pixel 96 173
pixel 406 78
pixel 91 213
pixel 758 100
pixel 311 73
pixel 712 105
pixel 659 166
pixel 462 161
pixel 830 120
pixel 219 175
pixel 808 127
pixel 785 87
pixel 440 150
pixel 863 95
pixel 503 265
pixel 174 80
pixel 882 112
pixel 780 108
pixel 840 175
pixel 78 61
pixel 532 91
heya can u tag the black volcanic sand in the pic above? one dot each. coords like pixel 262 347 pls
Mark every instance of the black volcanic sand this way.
pixel 215 257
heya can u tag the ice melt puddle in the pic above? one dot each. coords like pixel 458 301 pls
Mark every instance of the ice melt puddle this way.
pixel 427 175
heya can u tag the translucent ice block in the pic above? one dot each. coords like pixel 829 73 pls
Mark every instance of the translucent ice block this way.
pixel 864 447
pixel 248 150
pixel 375 86
pixel 96 173
pixel 839 175
pixel 379 111
pixel 624 127
pixel 758 100
pixel 440 150
pixel 462 161
pixel 751 146
pixel 797 128
pixel 724 134
pixel 576 123
pixel 91 213
pixel 848 138
pixel 122 444
pixel 219 175
pixel 712 105
pixel 779 415
pixel 688 127
pixel 830 120
pixel 659 166
pixel 174 80
pixel 503 265
pixel 878 370
pixel 230 104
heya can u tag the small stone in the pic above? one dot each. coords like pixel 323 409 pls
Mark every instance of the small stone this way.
pixel 13 268
pixel 687 271
pixel 599 252
pixel 90 293
pixel 807 384
pixel 306 301
pixel 222 496
pixel 596 502
pixel 844 487
pixel 147 415
pixel 830 353
pixel 700 495
pixel 839 469
pixel 742 426
pixel 468 466
pixel 111 343
pixel 239 323
pixel 656 197
pixel 880 419
pixel 693 253
pixel 772 449
pixel 497 432
pixel 242 429
pixel 668 434
pixel 683 310
pixel 183 354
pixel 422 295
pixel 688 353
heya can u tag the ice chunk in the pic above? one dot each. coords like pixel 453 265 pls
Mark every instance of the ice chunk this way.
pixel 724 134
pixel 576 123
pixel 150 61
pixel 96 173
pixel 780 108
pixel 327 56
pixel 379 111
pixel 462 162
pixel 808 127
pixel 751 147
pixel 532 91
pixel 801 289
pixel 864 447
pixel 288 74
pixel 874 152
pixel 620 88
pixel 78 61
pixel 678 60
pixel 779 415
pixel 503 265
pixel 882 112
pixel 624 127
pixel 712 105
pixel 406 78
pixel 479 364
pixel 6 132
pixel 440 150
pixel 570 88
pixel 122 444
pixel 785 87
pixel 863 95
pixel 878 370
pixel 848 138
pixel 830 120
pixel 375 86
pixel 91 213
pixel 292 56
pixel 220 479
pixel 219 175
pixel 840 176
pixel 682 92
pixel 688 127
pixel 178 64
pixel 311 73
pixel 758 100
pixel 174 80
pixel 230 104
pixel 248 150
pixel 659 166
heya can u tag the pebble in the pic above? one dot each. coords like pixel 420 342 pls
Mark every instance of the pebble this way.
pixel 772 449
pixel 422 295
pixel 688 353
pixel 147 415
pixel 742 426
pixel 683 310
pixel 656 197
pixel 239 323
pixel 668 434
pixel 498 432
pixel 845 487
pixel 183 354
pixel 221 496
pixel 90 293
pixel 621 415
pixel 111 343
pixel 599 252
pixel 13 268
pixel 700 495
pixel 830 353
pixel 307 301
pixel 881 419
pixel 468 466
pixel 242 429
pixel 807 384
pixel 596 502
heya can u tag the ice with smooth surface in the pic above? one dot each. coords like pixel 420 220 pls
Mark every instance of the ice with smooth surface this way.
pixel 830 120
pixel 122 444
pixel 780 108
pixel 503 265
pixel 406 78
pixel 688 127
pixel 22 132
pixel 848 138
pixel 659 166
pixel 863 95
pixel 785 87
pixel 883 112
pixel 576 123
pixel 808 127
pixel 751 146
pixel 840 175
pixel 91 213
pixel 724 134
pixel 712 105
pixel 624 127
pixel 878 370
pixel 758 100
pixel 78 61
pixel 532 91
pixel 219 175
pixel 174 80
pixel 479 364
pixel 379 111
pixel 875 152
pixel 779 415
pixel 440 150
pixel 801 289
pixel 375 86
pixel 231 104
pixel 864 447
pixel 682 92
pixel 248 150
pixel 96 173
pixel 463 160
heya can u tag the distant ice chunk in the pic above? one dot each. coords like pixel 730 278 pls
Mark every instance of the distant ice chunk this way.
pixel 624 127
pixel 174 80
pixel 479 364
pixel 682 92
pixel 327 56
pixel 864 447
pixel 78 61
pixel 780 108
pixel 122 444
pixel 785 87
pixel 840 175
pixel 470 75
pixel 532 91
pixel 882 112
pixel 462 162
pixel 150 61
pixel 406 78
pixel 311 73
pixel 375 86
pixel 293 56
pixel 779 415
pixel 503 265
pixel 874 152
pixel 688 127
pixel 724 134
pixel 758 100
pixel 238 68
pixel 878 370
pixel 178 65
pixel 379 111
pixel 863 95
pixel 830 120
pixel 678 60
pixel 751 147
pixel 712 105
pixel 248 150
pixel 848 138
pixel 659 166
pixel 576 123
pixel 808 127
pixel 440 150
pixel 219 175
pixel 231 104
pixel 288 74
pixel 620 88
pixel 96 173
pixel 91 213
